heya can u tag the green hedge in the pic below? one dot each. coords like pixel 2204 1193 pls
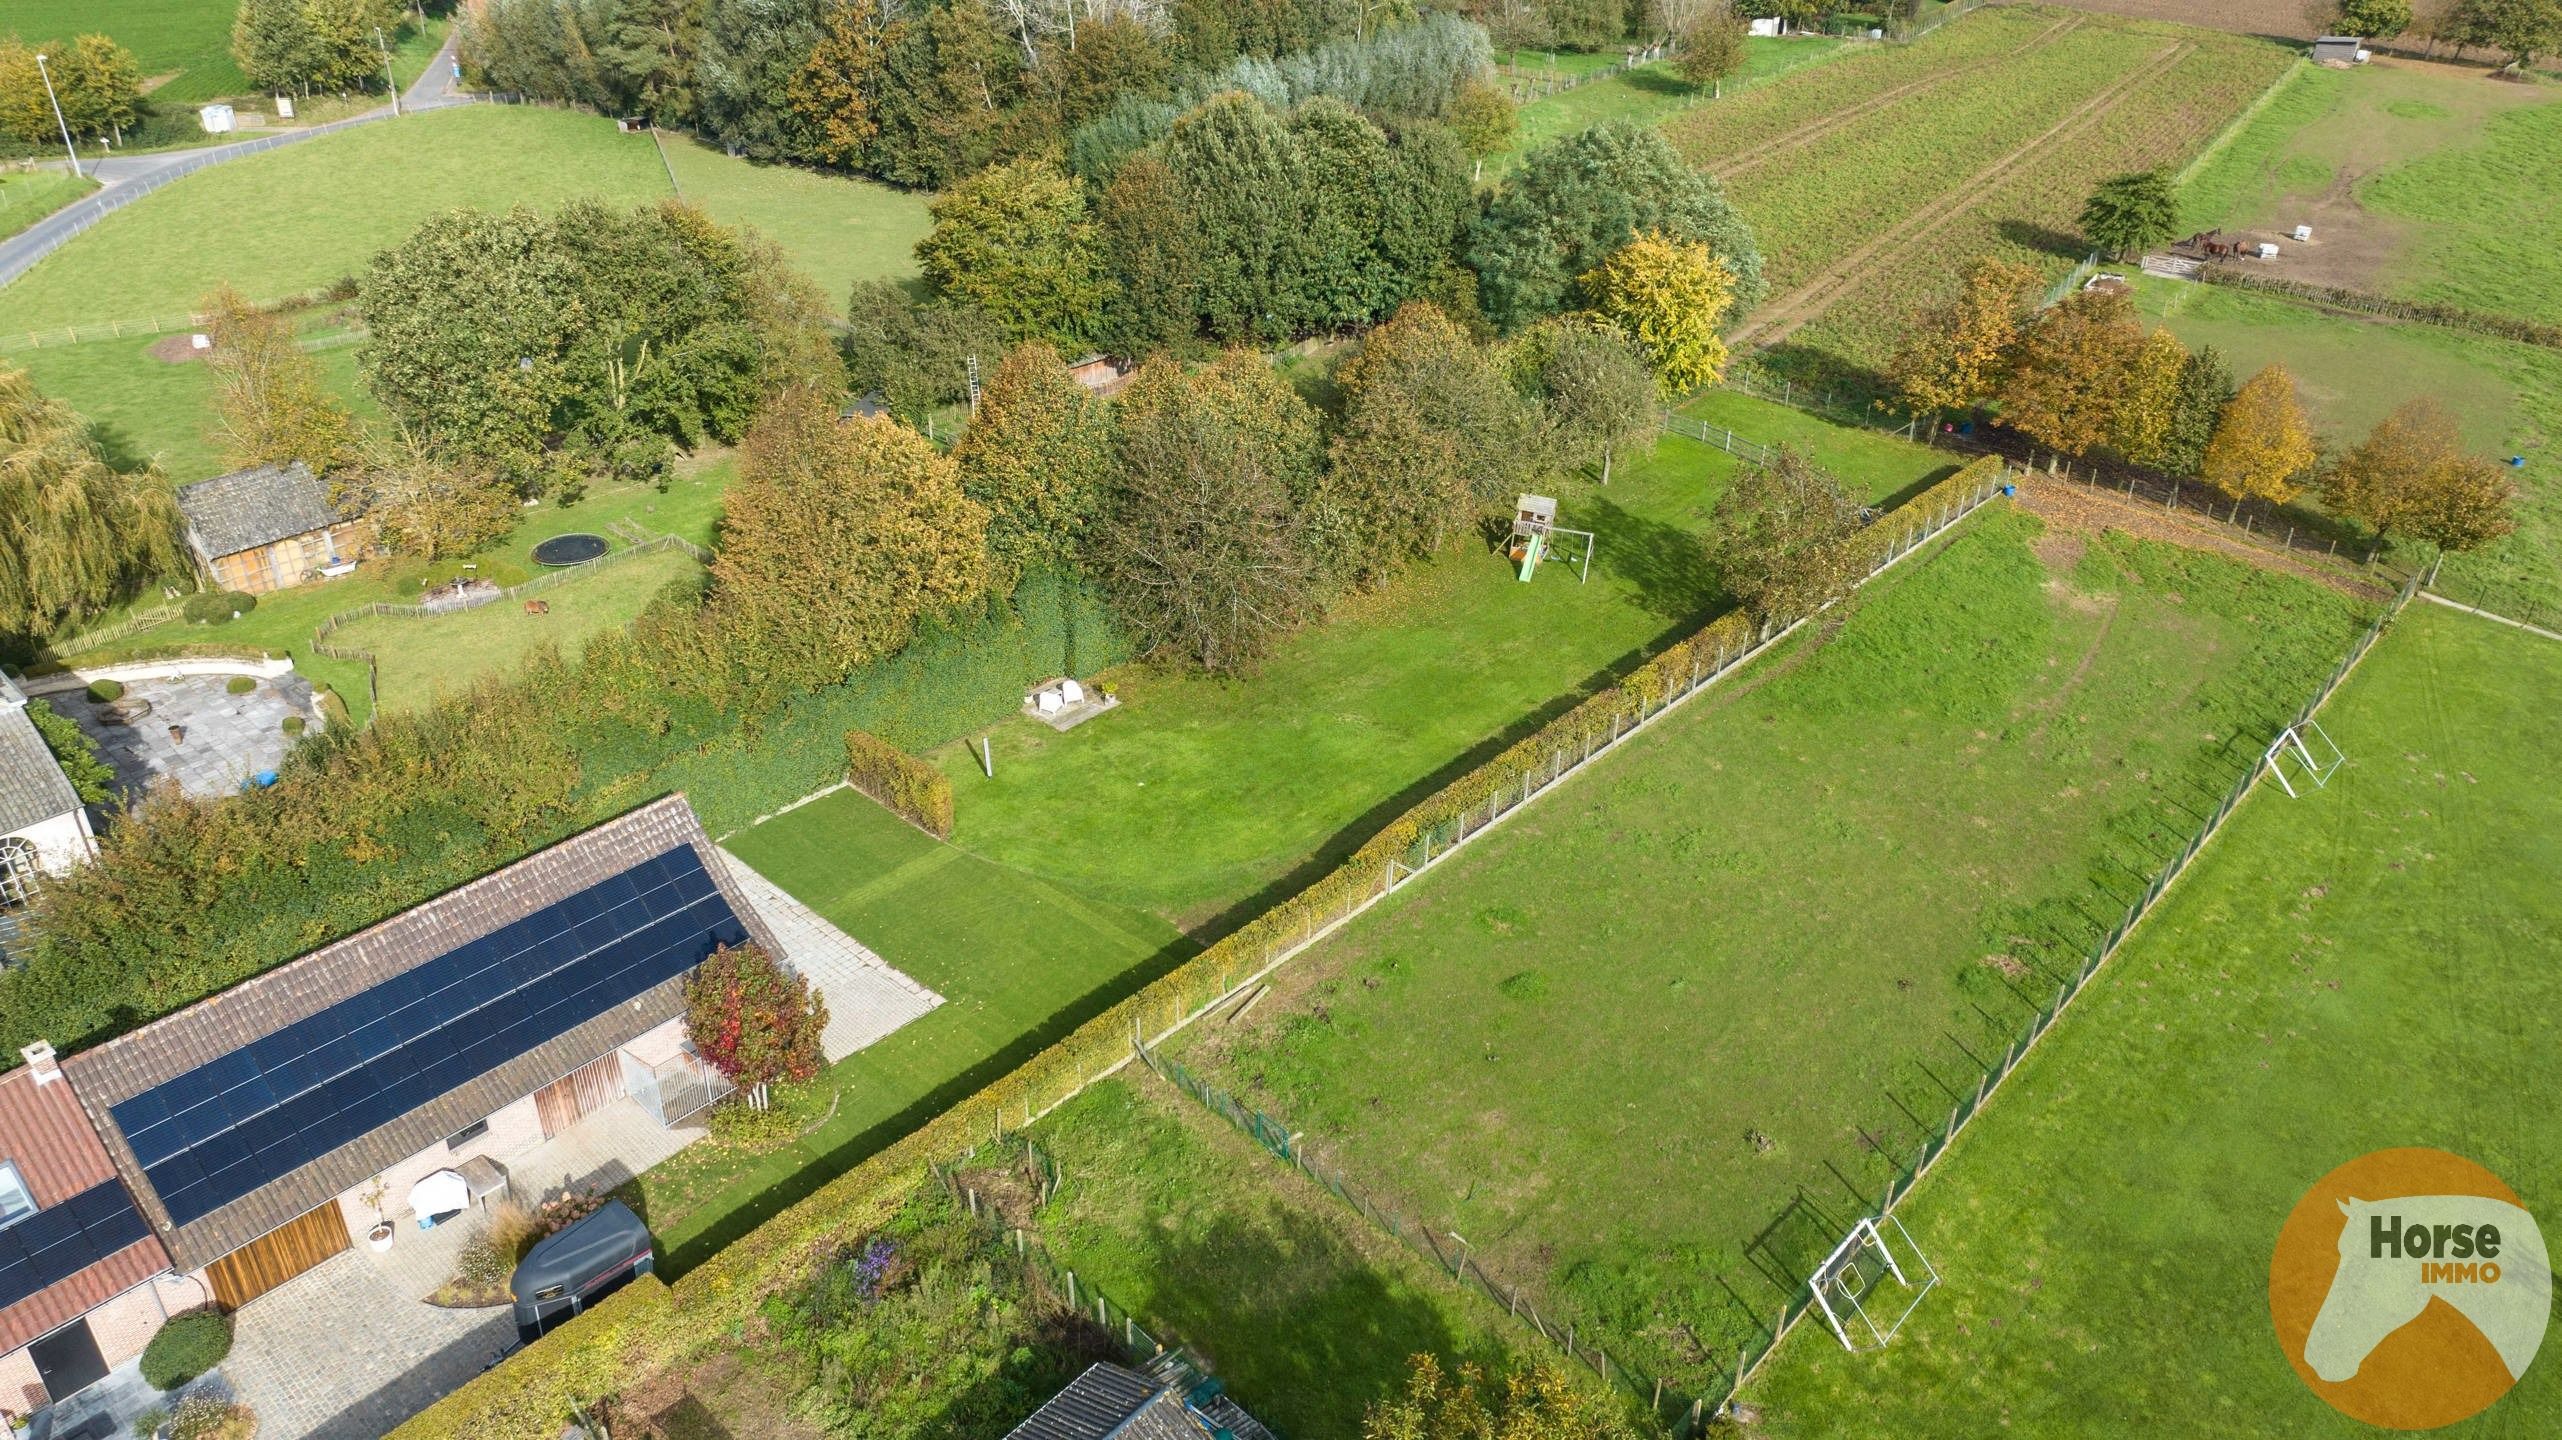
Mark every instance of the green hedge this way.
pixel 188 1346
pixel 907 787
pixel 528 1397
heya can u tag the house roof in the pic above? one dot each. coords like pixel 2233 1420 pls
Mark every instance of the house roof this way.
pixel 258 506
pixel 32 789
pixel 86 1243
pixel 1111 1401
pixel 248 1109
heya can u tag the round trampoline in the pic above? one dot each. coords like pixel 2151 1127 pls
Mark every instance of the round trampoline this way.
pixel 576 549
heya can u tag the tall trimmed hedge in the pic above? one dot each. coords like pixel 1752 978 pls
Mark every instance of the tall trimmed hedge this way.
pixel 907 787
pixel 630 1337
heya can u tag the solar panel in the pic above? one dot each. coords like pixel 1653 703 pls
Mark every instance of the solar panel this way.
pixel 55 1244
pixel 221 1130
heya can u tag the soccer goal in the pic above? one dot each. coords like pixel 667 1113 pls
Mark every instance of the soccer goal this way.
pixel 1868 1275
pixel 2308 750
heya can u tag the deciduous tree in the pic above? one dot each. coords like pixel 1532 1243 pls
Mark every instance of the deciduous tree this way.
pixel 1208 553
pixel 1709 47
pixel 1038 456
pixel 2131 213
pixel 1157 266
pixel 838 538
pixel 1014 240
pixel 2369 19
pixel 1600 397
pixel 1483 117
pixel 1956 353
pixel 1433 430
pixel 269 393
pixel 1780 538
pixel 75 533
pixel 834 90
pixel 74 753
pixel 754 1021
pixel 2263 444
pixel 2069 371
pixel 1668 296
pixel 423 504
pixel 2412 476
pixel 97 81
pixel 2150 405
pixel 1577 200
pixel 2520 29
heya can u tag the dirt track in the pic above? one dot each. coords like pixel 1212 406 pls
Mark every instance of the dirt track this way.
pixel 2081 507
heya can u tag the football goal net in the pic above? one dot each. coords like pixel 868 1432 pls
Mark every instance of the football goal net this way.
pixel 2306 750
pixel 1871 1282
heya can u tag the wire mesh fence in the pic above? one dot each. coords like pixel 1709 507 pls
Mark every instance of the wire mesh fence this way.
pixel 1939 1138
pixel 1750 451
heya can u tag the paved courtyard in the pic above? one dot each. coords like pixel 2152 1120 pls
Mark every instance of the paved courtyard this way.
pixel 344 1352
pixel 227 738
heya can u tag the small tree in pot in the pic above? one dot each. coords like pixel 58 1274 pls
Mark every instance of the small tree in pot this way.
pixel 754 1021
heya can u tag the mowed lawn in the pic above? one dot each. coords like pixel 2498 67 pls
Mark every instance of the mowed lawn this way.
pixel 299 218
pixel 1019 963
pixel 419 659
pixel 145 410
pixel 1202 799
pixel 1304 1310
pixel 2368 966
pixel 1637 1044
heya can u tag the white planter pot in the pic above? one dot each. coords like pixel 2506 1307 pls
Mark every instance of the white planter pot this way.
pixel 379 1238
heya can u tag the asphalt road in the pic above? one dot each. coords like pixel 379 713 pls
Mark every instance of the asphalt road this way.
pixel 126 178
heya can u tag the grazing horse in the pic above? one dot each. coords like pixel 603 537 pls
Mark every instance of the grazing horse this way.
pixel 2374 1294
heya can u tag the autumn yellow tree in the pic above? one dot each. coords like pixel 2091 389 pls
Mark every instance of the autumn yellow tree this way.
pixel 2150 404
pixel 838 537
pixel 1955 355
pixel 1670 297
pixel 2263 443
pixel 2069 372
pixel 833 90
pixel 268 390
pixel 1533 1403
pixel 2411 476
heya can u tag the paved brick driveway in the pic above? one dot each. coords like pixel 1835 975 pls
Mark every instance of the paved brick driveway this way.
pixel 341 1353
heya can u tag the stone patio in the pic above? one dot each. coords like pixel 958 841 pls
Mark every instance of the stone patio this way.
pixel 229 738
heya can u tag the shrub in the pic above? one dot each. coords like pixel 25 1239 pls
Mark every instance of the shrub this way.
pixel 186 1347
pixel 739 1124
pixel 106 692
pixel 209 1417
pixel 215 607
pixel 908 787
pixel 239 685
pixel 291 725
pixel 484 1263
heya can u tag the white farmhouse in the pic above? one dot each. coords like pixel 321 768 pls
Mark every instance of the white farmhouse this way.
pixel 43 829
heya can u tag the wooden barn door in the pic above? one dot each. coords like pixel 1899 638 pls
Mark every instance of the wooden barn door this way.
pixel 277 1256
pixel 565 1101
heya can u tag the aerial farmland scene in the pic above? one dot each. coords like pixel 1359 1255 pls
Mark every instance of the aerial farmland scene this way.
pixel 1279 719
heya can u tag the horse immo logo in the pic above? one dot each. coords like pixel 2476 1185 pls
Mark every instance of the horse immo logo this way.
pixel 2410 1288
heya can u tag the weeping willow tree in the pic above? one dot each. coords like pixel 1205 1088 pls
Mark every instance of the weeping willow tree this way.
pixel 75 533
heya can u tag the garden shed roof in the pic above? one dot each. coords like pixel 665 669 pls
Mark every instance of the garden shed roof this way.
pixel 1111 1401
pixel 248 1109
pixel 257 506
pixel 32 787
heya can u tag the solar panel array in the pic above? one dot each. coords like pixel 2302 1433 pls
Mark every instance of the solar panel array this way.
pixel 55 1244
pixel 223 1129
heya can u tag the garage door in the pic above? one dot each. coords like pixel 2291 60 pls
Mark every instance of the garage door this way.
pixel 277 1256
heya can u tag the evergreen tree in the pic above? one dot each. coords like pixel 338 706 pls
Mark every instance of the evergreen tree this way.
pixel 2129 214
pixel 1014 240
pixel 2205 387
pixel 752 52
pixel 1157 266
pixel 1242 187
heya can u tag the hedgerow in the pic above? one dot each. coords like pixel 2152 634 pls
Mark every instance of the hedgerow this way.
pixel 908 787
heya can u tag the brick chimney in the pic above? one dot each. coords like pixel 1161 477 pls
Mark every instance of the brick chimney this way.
pixel 40 1063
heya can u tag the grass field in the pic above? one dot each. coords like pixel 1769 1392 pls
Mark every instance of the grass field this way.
pixel 284 621
pixel 1635 1045
pixel 2353 371
pixel 421 658
pixel 1018 962
pixel 27 196
pixel 1645 95
pixel 1202 795
pixel 1871 179
pixel 1305 1312
pixel 185 44
pixel 340 198
pixel 2369 966
pixel 2428 181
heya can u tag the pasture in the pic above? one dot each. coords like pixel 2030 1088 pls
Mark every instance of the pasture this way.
pixel 1644 95
pixel 1647 1045
pixel 184 45
pixel 322 208
pixel 1871 179
pixel 2366 967
pixel 27 196
pixel 1304 1310
pixel 1204 799
pixel 2425 181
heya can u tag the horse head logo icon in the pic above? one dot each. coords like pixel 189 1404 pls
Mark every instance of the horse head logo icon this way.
pixel 2410 1288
